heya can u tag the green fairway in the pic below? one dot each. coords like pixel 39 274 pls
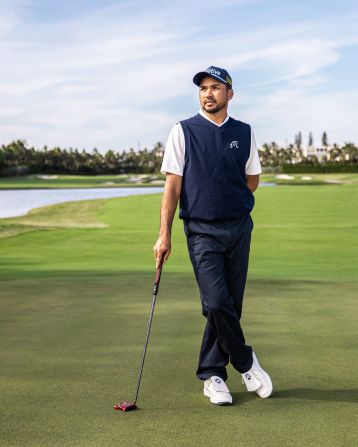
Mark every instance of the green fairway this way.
pixel 76 290
pixel 127 180
pixel 80 181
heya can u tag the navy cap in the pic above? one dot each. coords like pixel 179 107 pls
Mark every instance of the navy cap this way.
pixel 215 72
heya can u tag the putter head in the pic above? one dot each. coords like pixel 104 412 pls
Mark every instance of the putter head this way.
pixel 125 406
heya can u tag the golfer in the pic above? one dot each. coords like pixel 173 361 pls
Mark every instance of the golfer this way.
pixel 212 165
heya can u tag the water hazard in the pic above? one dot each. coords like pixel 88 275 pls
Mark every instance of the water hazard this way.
pixel 19 202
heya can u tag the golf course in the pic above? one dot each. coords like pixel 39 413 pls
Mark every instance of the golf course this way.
pixel 76 293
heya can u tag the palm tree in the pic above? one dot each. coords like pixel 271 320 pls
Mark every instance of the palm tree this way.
pixel 324 139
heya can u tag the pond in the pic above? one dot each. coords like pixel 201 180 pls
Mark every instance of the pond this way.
pixel 17 202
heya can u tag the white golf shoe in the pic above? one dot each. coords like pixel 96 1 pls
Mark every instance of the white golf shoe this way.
pixel 256 379
pixel 216 389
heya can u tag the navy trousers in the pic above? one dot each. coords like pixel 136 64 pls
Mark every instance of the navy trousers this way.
pixel 219 253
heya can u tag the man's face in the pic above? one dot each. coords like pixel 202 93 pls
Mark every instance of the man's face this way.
pixel 213 95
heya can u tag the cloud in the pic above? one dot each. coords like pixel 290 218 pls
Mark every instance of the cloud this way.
pixel 291 110
pixel 105 77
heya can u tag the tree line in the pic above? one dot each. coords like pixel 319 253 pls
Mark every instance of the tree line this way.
pixel 299 139
pixel 292 158
pixel 17 158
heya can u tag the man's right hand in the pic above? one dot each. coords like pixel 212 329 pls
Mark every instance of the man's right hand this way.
pixel 162 248
pixel 170 199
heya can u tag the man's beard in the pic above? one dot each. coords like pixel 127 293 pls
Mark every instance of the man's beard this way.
pixel 214 110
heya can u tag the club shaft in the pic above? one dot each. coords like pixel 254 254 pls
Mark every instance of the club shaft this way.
pixel 155 292
pixel 145 347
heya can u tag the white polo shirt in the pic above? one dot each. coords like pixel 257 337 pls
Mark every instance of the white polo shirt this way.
pixel 174 154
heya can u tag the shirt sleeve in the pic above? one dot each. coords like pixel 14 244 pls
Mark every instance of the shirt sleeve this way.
pixel 174 153
pixel 253 165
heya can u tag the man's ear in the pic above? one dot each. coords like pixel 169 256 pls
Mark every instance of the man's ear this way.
pixel 231 94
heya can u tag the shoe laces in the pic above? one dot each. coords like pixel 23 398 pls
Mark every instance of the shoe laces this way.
pixel 252 372
pixel 217 384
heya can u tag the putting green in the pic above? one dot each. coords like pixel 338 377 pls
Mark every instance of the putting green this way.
pixel 75 302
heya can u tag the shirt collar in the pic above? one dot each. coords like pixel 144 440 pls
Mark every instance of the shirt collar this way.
pixel 211 121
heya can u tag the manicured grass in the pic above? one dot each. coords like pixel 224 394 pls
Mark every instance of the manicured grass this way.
pixel 312 179
pixel 74 308
pixel 115 181
pixel 79 181
pixel 62 215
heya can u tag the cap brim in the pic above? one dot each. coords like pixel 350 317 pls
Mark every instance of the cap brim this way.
pixel 202 74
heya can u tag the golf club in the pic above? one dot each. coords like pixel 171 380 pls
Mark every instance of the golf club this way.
pixel 127 406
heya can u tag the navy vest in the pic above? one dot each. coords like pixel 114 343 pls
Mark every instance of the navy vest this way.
pixel 214 182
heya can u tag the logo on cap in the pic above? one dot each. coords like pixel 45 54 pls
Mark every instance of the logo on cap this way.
pixel 213 71
pixel 219 73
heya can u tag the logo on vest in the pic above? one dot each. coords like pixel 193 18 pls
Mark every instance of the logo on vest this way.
pixel 234 144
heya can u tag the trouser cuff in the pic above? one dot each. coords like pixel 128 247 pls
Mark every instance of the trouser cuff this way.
pixel 207 374
pixel 243 368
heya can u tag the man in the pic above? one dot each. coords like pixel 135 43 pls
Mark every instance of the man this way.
pixel 211 163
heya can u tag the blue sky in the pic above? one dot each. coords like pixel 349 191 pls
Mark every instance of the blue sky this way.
pixel 118 74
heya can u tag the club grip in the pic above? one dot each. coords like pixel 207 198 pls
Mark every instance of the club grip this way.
pixel 157 276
